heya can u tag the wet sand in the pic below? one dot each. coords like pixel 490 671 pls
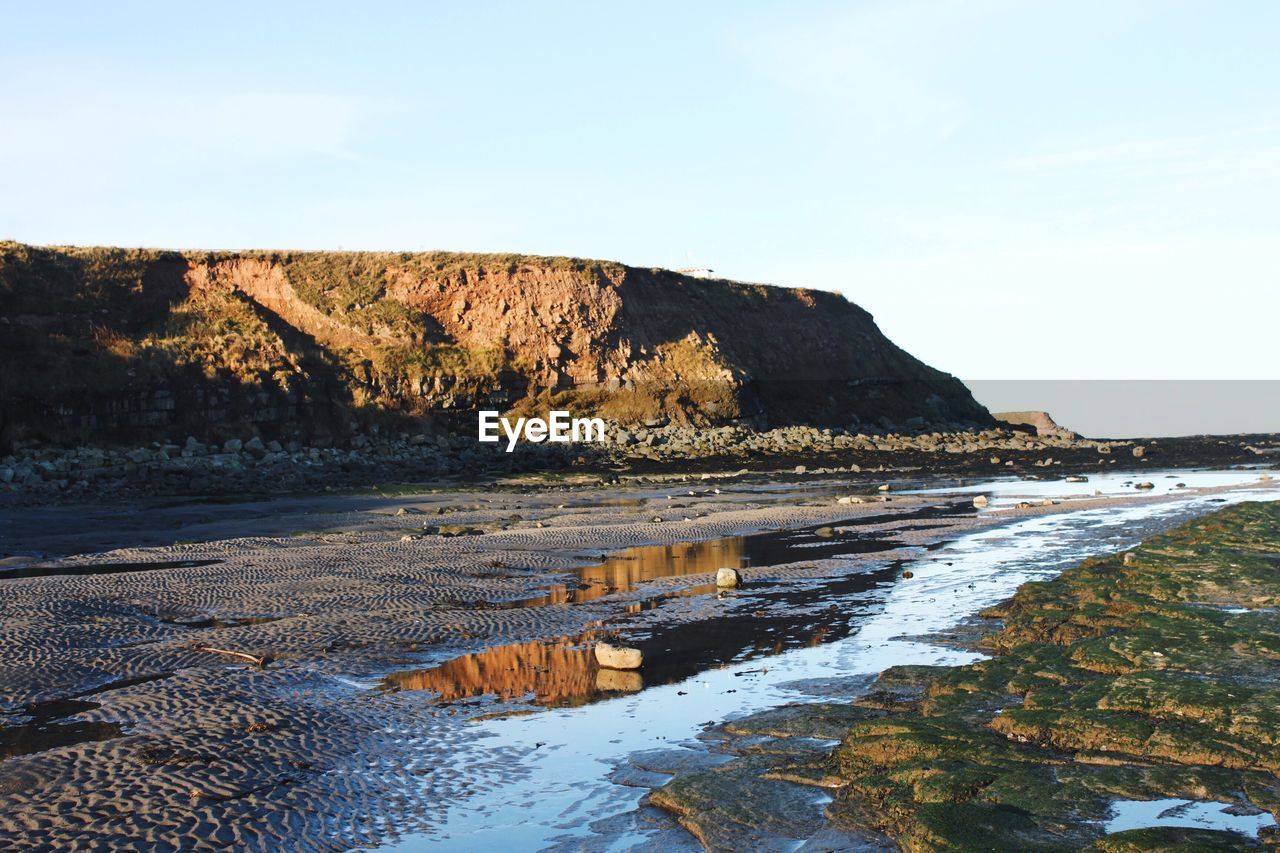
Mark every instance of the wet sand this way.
pixel 119 725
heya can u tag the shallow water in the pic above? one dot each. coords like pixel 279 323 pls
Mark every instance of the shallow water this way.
pixel 1113 484
pixel 1140 814
pixel 625 570
pixel 553 782
pixel 44 571
pixel 739 625
pixel 49 725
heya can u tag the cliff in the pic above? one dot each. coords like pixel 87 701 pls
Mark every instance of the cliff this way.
pixel 125 343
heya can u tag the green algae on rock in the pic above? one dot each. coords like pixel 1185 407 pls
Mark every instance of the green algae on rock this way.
pixel 1148 678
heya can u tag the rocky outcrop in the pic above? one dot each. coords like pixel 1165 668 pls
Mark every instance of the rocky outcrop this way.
pixel 115 343
pixel 1041 422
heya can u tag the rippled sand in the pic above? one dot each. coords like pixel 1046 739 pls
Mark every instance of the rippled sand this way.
pixel 180 746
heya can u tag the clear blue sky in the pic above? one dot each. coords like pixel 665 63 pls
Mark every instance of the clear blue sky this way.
pixel 1016 189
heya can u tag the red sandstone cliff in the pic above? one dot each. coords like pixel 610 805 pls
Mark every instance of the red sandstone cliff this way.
pixel 113 340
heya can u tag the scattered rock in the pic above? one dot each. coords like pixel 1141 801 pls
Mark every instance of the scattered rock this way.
pixel 980 501
pixel 1139 452
pixel 618 657
pixel 728 577
pixel 1145 485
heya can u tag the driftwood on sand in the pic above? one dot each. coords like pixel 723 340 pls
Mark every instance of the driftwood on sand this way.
pixel 260 661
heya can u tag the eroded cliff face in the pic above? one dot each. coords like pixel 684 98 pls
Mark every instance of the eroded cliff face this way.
pixel 107 342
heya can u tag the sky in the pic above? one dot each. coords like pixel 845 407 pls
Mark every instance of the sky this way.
pixel 1016 189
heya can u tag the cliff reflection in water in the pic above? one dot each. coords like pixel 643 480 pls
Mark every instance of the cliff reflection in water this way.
pixel 783 616
pixel 556 672
pixel 624 570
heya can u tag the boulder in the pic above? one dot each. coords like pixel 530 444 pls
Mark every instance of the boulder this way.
pixel 980 501
pixel 618 657
pixel 728 577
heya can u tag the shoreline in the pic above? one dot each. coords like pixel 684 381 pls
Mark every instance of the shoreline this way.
pixel 1085 708
pixel 250 467
pixel 347 602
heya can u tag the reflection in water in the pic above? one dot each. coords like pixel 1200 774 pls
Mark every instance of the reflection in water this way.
pixel 554 672
pixel 624 570
pixel 565 672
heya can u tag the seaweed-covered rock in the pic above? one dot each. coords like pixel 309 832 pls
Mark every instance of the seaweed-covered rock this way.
pixel 1149 677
